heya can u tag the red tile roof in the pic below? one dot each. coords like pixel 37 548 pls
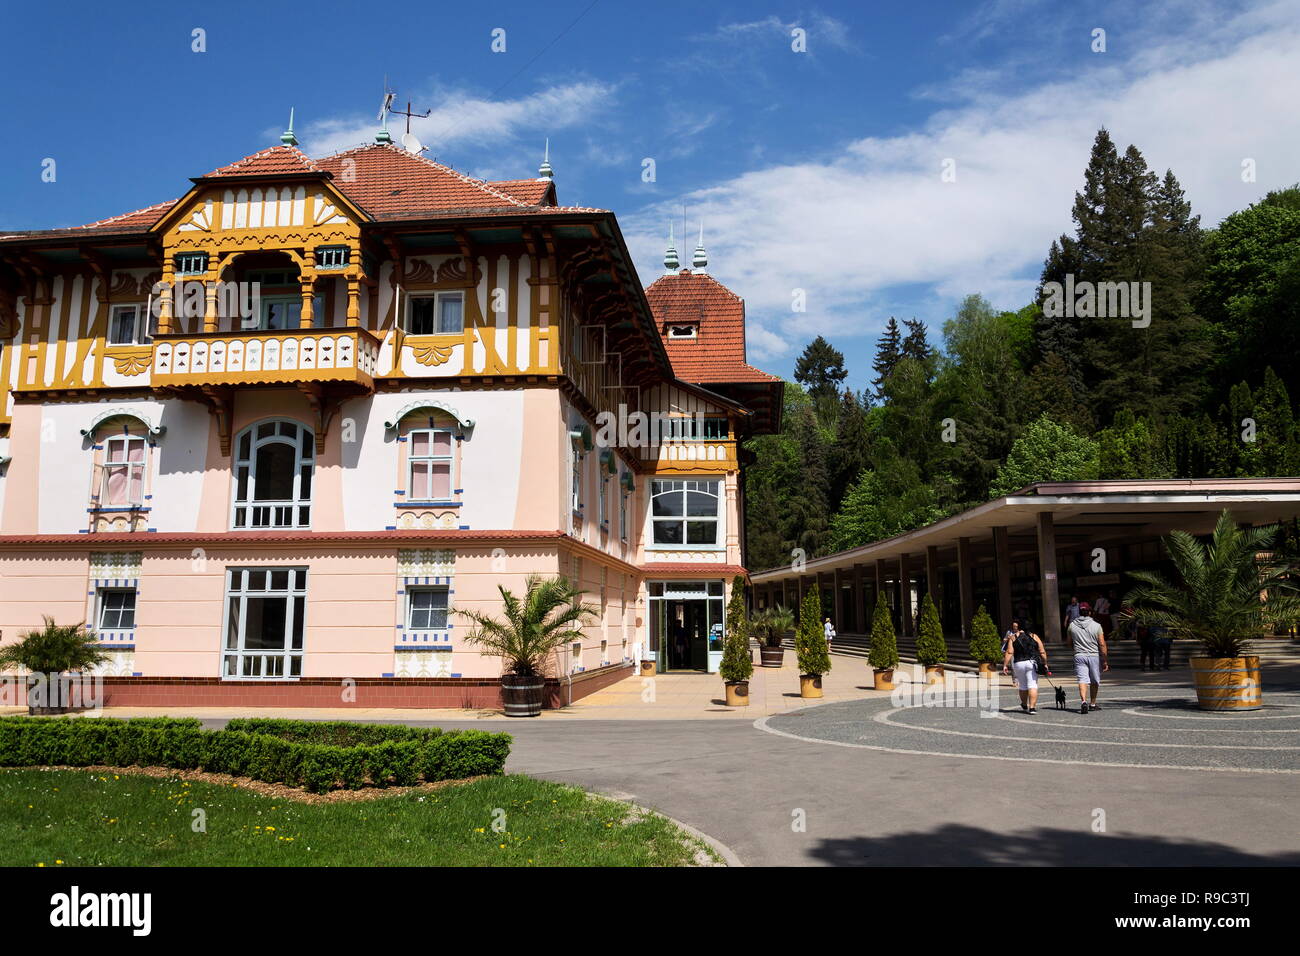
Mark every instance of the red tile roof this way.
pixel 717 353
pixel 275 161
pixel 386 181
pixel 140 219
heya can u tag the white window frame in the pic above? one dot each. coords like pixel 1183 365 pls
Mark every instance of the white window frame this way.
pixel 576 491
pixel 266 301
pixel 411 609
pixel 674 333
pixel 269 663
pixel 139 334
pixel 438 298
pixel 449 459
pixel 249 514
pixel 622 509
pixel 682 486
pixel 125 442
pixel 102 608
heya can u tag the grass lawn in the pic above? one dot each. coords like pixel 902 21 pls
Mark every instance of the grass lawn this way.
pixel 83 818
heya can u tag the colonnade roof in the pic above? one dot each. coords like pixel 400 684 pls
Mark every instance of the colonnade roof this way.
pixel 1083 513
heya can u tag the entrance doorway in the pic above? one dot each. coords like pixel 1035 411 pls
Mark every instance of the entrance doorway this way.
pixel 686 619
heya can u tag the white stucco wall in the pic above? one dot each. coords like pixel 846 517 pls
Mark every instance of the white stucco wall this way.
pixel 490 456
pixel 175 466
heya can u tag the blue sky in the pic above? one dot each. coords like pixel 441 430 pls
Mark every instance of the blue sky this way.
pixel 817 171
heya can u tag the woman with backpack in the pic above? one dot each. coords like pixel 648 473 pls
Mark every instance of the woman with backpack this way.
pixel 1025 653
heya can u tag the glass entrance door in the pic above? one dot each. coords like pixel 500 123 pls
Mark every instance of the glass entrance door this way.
pixel 686 620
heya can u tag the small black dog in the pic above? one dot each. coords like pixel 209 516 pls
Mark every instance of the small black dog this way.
pixel 1060 698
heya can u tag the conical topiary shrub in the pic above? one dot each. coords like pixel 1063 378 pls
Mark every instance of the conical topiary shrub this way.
pixel 883 655
pixel 984 644
pixel 810 638
pixel 737 663
pixel 931 648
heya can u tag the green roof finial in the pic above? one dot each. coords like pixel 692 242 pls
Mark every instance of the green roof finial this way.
pixel 671 262
pixel 545 171
pixel 287 136
pixel 700 259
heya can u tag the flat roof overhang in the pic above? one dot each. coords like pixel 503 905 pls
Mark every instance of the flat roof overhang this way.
pixel 1082 513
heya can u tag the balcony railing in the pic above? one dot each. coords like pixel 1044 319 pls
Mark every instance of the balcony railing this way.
pixel 283 356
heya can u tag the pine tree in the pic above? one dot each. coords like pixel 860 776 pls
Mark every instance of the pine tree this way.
pixel 931 648
pixel 809 507
pixel 737 659
pixel 888 352
pixel 820 369
pixel 883 655
pixel 1276 430
pixel 917 343
pixel 985 646
pixel 810 637
pixel 848 454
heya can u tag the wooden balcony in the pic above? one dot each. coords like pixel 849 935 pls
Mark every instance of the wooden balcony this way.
pixel 282 357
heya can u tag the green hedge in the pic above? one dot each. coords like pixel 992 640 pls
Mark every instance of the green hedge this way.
pixel 338 733
pixel 274 751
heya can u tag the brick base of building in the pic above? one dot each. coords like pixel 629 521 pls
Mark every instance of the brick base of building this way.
pixel 362 692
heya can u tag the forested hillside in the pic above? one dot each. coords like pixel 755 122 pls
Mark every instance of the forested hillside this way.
pixel 1199 385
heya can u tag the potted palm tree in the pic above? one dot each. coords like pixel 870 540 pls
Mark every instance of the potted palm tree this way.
pixel 737 664
pixel 1228 590
pixel 931 648
pixel 810 646
pixel 984 644
pixel 549 616
pixel 770 627
pixel 48 655
pixel 883 656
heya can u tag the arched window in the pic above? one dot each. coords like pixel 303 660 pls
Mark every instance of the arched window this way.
pixel 273 468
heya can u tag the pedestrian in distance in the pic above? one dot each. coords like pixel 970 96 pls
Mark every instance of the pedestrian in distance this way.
pixel 1090 656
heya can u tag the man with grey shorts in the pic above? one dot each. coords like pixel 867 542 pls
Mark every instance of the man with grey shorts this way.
pixel 1089 656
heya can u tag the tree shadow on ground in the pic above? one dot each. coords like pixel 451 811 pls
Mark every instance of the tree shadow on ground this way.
pixel 957 845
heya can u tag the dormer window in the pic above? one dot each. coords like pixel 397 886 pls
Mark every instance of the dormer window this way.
pixel 683 331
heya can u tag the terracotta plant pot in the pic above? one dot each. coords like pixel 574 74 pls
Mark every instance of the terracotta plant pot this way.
pixel 771 656
pixel 884 680
pixel 737 693
pixel 987 669
pixel 522 696
pixel 1227 683
pixel 934 673
pixel 647 668
pixel 810 685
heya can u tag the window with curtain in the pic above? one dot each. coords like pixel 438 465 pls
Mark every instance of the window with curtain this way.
pixel 429 461
pixel 123 472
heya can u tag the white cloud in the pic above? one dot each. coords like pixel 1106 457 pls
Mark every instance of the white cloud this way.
pixel 874 224
pixel 462 118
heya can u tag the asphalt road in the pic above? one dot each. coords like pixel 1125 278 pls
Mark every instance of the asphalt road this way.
pixel 779 800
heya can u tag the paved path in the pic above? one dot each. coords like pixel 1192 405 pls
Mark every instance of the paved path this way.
pixel 860 782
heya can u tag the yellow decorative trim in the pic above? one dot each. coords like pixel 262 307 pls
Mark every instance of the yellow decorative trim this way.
pixel 431 353
pixel 131 361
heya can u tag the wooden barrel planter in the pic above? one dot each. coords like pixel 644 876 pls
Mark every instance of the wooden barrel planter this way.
pixel 883 679
pixel 648 668
pixel 522 696
pixel 987 669
pixel 934 673
pixel 810 685
pixel 1227 683
pixel 771 656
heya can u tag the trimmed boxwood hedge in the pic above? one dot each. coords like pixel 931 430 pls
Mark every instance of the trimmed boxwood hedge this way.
pixel 274 751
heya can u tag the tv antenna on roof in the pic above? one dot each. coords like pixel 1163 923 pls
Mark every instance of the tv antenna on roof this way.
pixel 408 114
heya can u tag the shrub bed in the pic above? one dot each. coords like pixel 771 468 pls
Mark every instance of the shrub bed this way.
pixel 274 751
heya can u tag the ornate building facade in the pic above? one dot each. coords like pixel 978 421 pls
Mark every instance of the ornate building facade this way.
pixel 268 438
